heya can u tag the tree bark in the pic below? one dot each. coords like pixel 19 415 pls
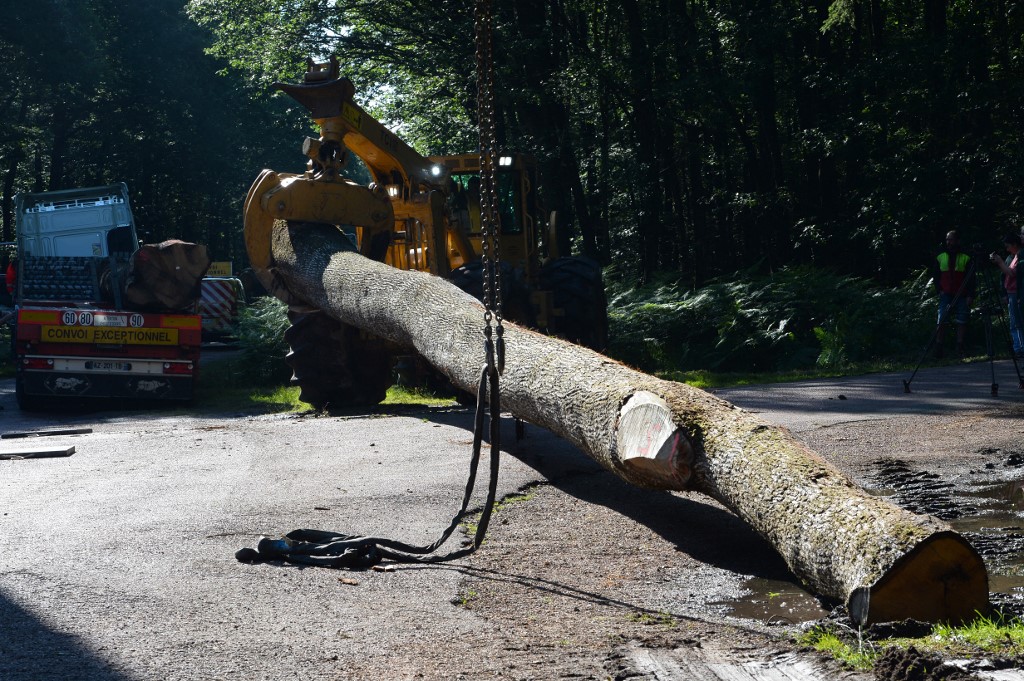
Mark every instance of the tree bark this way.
pixel 884 562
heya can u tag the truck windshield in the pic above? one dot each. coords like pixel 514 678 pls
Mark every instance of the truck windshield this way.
pixel 466 196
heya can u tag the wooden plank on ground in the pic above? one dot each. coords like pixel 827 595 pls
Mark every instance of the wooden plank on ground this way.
pixel 45 433
pixel 38 452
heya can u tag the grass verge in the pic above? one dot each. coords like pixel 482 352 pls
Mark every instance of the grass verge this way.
pixel 705 380
pixel 228 385
pixel 417 397
pixel 985 637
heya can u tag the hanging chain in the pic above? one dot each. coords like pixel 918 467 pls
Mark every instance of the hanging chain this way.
pixel 489 217
pixel 313 547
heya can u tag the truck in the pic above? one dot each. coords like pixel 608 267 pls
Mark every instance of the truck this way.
pixel 417 213
pixel 77 332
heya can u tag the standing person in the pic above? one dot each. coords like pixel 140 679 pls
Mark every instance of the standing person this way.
pixel 11 278
pixel 1011 285
pixel 954 281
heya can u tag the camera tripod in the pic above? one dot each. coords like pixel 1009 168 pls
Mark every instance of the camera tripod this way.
pixel 991 307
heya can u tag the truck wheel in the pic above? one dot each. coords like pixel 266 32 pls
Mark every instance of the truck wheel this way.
pixel 27 402
pixel 578 291
pixel 515 298
pixel 333 366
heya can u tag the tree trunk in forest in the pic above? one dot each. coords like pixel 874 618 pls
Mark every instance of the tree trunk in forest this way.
pixel 877 25
pixel 645 127
pixel 15 155
pixel 935 19
pixel 58 144
pixel 7 205
pixel 550 121
pixel 884 562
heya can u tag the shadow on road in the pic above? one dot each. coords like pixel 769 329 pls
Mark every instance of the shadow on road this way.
pixel 936 390
pixel 704 531
pixel 32 651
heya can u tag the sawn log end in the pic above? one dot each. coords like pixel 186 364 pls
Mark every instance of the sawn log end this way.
pixel 942 579
pixel 653 450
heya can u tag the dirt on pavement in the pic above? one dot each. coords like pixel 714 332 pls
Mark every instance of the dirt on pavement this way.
pixel 581 577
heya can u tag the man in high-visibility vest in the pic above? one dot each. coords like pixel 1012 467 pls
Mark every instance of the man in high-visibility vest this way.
pixel 954 280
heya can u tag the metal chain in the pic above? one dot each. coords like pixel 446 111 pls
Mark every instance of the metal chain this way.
pixel 489 216
pixel 313 547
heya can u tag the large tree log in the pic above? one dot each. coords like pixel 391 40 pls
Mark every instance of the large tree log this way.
pixel 884 562
pixel 166 276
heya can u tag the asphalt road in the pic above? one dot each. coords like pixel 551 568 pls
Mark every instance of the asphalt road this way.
pixel 117 562
pixel 952 389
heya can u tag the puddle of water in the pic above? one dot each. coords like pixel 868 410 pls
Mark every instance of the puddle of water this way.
pixel 771 600
pixel 1007 494
pixel 990 515
pixel 996 530
pixel 1007 584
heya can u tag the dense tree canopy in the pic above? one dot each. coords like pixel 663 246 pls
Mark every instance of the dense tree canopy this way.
pixel 707 135
pixel 698 138
pixel 100 91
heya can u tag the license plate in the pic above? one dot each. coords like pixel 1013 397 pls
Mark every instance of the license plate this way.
pixel 108 366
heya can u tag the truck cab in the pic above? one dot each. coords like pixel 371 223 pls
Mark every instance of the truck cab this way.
pixel 75 337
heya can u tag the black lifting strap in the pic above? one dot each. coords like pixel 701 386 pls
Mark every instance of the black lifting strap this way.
pixel 331 549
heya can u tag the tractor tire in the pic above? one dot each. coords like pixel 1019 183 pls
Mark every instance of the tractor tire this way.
pixel 333 365
pixel 578 290
pixel 515 297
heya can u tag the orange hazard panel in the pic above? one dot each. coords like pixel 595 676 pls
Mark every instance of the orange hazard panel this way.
pixel 38 317
pixel 180 321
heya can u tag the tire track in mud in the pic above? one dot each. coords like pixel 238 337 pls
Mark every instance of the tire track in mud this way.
pixel 920 491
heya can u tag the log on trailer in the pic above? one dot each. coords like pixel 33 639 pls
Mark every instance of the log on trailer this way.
pixel 882 561
pixel 166 276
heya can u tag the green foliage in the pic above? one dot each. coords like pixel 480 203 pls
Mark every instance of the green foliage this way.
pixel 796 318
pixel 984 634
pixel 400 395
pixel 261 328
pixel 106 91
pixel 826 641
pixel 981 637
pixel 715 137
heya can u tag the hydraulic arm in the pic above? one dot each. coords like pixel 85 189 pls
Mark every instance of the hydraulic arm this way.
pixel 400 217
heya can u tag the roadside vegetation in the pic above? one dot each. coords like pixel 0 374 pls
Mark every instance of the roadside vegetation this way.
pixel 798 321
pixel 985 637
pixel 795 324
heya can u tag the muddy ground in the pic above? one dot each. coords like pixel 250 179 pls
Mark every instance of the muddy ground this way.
pixel 118 561
pixel 653 594
pixel 584 576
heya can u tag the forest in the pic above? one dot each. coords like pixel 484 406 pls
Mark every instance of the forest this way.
pixel 684 144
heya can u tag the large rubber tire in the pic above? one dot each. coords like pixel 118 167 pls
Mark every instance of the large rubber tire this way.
pixel 578 290
pixel 28 402
pixel 515 297
pixel 333 365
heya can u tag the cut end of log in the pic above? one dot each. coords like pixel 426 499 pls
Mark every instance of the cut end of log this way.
pixel 650 445
pixel 942 579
